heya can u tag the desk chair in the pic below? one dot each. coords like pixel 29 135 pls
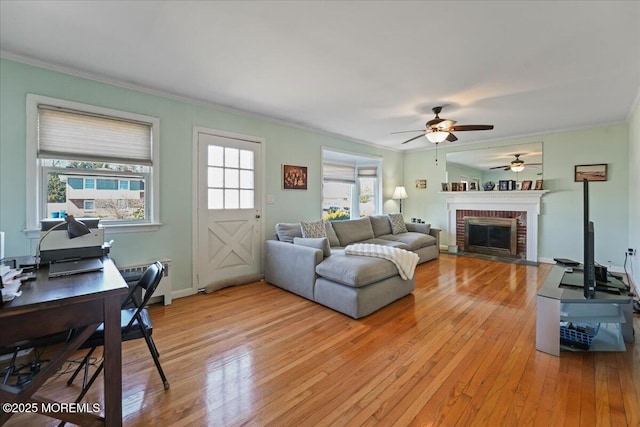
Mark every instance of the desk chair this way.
pixel 135 324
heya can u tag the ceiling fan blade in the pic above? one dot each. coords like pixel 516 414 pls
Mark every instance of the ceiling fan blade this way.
pixel 407 131
pixel 501 167
pixel 415 137
pixel 452 138
pixel 470 127
pixel 532 164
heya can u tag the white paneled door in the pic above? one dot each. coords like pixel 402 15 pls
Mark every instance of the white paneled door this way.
pixel 229 208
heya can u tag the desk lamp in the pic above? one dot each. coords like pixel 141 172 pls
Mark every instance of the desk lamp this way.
pixel 75 229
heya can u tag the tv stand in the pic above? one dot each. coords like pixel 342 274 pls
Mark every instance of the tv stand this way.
pixel 556 303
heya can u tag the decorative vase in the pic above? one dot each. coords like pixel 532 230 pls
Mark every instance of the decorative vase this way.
pixel 488 186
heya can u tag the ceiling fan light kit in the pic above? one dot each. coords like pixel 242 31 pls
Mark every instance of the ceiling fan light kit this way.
pixel 436 137
pixel 438 130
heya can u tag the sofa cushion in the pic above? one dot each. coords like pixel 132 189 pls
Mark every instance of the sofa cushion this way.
pixel 287 231
pixel 419 227
pixel 387 242
pixel 313 229
pixel 321 243
pixel 413 240
pixel 397 224
pixel 355 230
pixel 355 271
pixel 380 224
pixel 331 234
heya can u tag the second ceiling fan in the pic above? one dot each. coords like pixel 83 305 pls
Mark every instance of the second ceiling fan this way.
pixel 439 130
pixel 516 165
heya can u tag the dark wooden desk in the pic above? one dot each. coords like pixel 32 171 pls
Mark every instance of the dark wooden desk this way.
pixel 47 306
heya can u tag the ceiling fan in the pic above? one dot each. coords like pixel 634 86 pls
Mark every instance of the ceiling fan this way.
pixel 439 130
pixel 516 165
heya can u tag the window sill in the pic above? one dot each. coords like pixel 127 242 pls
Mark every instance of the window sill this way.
pixel 109 229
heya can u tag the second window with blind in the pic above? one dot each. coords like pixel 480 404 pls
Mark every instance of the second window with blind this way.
pixel 93 162
pixel 350 186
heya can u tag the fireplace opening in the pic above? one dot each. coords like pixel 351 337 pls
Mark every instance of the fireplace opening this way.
pixel 492 236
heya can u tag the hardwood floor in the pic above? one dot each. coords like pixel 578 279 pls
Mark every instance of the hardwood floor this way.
pixel 459 351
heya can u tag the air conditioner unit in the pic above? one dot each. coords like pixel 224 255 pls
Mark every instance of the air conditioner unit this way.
pixel 164 288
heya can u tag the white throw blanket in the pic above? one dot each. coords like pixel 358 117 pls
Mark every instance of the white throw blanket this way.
pixel 404 260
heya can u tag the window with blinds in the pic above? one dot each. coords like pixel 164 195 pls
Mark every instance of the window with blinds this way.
pixel 351 186
pixel 94 162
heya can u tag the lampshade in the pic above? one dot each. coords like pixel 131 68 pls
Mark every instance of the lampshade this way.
pixel 400 193
pixel 75 228
pixel 436 137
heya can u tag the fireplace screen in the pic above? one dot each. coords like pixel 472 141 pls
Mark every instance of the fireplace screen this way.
pixel 492 236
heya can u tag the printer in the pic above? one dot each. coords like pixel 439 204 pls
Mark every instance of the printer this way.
pixel 55 245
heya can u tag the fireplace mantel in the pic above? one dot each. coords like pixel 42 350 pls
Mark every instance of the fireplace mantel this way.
pixel 517 200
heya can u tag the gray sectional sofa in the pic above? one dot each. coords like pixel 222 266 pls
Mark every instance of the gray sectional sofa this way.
pixel 319 270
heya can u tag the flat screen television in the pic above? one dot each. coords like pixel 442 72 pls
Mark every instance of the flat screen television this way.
pixel 589 247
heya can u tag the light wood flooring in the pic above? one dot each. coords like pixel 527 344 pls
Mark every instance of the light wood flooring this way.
pixel 459 351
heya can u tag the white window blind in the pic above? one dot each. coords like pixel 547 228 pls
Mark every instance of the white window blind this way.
pixel 368 171
pixel 338 173
pixel 69 134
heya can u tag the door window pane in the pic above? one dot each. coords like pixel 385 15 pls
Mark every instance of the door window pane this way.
pixel 246 199
pixel 216 177
pixel 231 199
pixel 230 170
pixel 215 155
pixel 246 179
pixel 246 159
pixel 216 200
pixel 231 157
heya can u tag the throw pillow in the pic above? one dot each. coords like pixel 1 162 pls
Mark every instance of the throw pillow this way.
pixel 397 224
pixel 287 231
pixel 313 229
pixel 331 234
pixel 321 243
pixel 381 225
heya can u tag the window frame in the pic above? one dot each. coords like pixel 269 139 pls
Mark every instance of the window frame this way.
pixel 35 192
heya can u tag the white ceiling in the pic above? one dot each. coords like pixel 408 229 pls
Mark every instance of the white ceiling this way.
pixel 357 69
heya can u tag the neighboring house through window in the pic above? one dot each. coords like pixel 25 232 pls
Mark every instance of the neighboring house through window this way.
pixel 89 161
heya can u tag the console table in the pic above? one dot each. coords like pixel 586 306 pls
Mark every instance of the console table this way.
pixel 555 304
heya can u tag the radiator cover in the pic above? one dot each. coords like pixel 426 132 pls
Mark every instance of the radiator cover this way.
pixel 164 288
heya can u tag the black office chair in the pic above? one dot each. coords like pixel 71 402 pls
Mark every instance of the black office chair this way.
pixel 135 324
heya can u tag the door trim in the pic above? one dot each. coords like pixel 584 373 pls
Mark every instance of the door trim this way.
pixel 195 285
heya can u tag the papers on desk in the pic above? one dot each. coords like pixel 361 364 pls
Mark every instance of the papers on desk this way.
pixel 10 282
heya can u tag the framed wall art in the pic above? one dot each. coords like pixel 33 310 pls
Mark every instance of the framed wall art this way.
pixel 294 177
pixel 591 172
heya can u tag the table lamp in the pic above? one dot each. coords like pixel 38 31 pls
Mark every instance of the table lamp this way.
pixel 399 194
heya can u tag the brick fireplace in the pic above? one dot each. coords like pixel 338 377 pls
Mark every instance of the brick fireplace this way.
pixel 523 206
pixel 492 219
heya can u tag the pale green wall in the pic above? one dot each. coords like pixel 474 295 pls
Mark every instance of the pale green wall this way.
pixel 561 215
pixel 634 194
pixel 283 145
